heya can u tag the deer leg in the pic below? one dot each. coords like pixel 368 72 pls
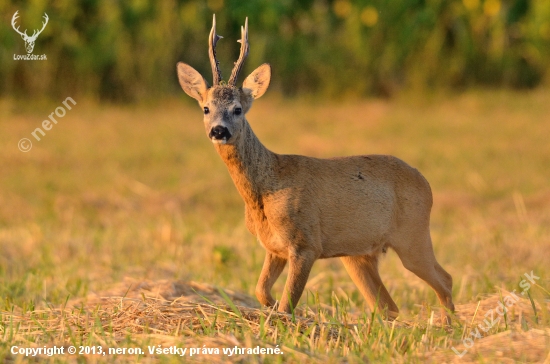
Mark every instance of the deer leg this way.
pixel 298 272
pixel 363 271
pixel 420 260
pixel 271 270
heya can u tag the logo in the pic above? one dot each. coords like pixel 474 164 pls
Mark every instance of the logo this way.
pixel 29 40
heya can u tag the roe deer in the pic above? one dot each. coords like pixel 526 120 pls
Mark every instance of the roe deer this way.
pixel 302 209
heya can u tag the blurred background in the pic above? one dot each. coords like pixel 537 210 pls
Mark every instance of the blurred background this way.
pixel 126 51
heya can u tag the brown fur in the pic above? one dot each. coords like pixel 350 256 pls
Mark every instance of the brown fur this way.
pixel 302 209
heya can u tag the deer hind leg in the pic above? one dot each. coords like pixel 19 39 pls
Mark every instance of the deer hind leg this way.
pixel 271 270
pixel 420 259
pixel 363 271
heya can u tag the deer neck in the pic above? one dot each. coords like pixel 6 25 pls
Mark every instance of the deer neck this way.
pixel 250 165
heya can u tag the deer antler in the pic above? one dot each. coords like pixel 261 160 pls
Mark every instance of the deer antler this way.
pixel 242 56
pixel 13 19
pixel 24 34
pixel 212 40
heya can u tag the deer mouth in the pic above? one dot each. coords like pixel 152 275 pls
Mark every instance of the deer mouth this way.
pixel 218 141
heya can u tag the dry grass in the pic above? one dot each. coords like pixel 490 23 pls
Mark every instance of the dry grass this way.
pixel 189 314
pixel 114 192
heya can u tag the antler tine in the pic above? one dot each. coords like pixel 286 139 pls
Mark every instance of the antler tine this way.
pixel 242 55
pixel 13 19
pixel 46 18
pixel 212 40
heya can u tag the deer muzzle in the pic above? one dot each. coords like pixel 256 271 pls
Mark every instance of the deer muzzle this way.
pixel 219 134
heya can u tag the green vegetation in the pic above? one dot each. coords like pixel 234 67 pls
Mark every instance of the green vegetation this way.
pixel 127 50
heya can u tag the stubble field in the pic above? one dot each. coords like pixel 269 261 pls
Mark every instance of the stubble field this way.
pixel 121 228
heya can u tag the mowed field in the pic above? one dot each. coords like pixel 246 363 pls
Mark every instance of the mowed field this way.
pixel 121 228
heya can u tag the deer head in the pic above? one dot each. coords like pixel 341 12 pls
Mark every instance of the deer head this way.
pixel 224 104
pixel 29 41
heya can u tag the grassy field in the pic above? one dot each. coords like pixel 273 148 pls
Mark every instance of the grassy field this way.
pixel 119 210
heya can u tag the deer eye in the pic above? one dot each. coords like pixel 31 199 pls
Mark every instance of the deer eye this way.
pixel 206 110
pixel 238 111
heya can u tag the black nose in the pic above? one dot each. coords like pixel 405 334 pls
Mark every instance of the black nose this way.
pixel 219 132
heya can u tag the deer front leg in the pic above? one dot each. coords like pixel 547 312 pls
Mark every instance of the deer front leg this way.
pixel 273 266
pixel 299 267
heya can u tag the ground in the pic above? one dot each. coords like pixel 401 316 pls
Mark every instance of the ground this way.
pixel 113 217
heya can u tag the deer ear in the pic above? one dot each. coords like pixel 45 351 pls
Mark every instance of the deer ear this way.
pixel 257 82
pixel 192 82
